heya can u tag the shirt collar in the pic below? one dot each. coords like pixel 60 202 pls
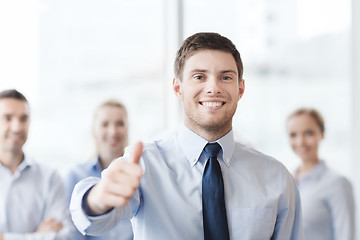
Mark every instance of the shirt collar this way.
pixel 25 164
pixel 316 171
pixel 192 145
pixel 95 163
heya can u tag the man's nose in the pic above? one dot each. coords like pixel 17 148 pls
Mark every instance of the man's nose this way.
pixel 17 125
pixel 213 85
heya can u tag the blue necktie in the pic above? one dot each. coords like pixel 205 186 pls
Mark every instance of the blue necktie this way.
pixel 214 211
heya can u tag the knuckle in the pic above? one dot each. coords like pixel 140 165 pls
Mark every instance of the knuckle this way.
pixel 110 174
pixel 128 191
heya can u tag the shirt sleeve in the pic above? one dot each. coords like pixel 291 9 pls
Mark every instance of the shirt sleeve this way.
pixel 30 236
pixel 56 207
pixel 97 225
pixel 289 218
pixel 70 181
pixel 342 208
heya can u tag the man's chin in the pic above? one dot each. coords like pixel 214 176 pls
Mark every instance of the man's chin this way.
pixel 15 149
pixel 213 125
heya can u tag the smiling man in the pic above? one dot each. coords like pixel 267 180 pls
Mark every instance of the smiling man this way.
pixel 199 183
pixel 32 197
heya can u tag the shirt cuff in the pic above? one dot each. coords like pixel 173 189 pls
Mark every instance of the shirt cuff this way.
pixel 86 208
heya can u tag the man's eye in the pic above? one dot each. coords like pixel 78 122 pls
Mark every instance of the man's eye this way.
pixel 120 123
pixel 226 78
pixel 198 77
pixel 23 119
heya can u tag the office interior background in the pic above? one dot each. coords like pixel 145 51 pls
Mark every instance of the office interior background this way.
pixel 68 56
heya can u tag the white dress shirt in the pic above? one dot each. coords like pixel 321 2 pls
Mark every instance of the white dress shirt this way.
pixel 262 201
pixel 31 195
pixel 327 205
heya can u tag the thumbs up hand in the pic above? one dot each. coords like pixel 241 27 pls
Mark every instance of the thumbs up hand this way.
pixel 117 185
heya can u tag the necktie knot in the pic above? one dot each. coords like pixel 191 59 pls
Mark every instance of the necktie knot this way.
pixel 212 149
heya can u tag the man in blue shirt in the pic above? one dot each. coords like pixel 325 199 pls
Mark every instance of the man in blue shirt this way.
pixel 32 196
pixel 161 184
pixel 110 132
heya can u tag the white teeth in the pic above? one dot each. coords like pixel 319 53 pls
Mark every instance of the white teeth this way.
pixel 212 104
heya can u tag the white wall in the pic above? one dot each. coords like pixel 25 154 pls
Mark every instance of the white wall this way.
pixel 356 103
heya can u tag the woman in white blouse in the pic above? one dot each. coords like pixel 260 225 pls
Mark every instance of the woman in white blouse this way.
pixel 326 197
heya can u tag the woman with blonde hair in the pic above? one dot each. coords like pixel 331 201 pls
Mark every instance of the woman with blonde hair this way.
pixel 326 197
pixel 110 132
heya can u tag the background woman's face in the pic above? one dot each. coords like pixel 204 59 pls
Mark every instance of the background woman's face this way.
pixel 304 136
pixel 110 131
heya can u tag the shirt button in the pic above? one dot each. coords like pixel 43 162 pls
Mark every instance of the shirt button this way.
pixel 227 160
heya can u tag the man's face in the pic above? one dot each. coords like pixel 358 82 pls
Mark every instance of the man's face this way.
pixel 110 131
pixel 209 91
pixel 14 124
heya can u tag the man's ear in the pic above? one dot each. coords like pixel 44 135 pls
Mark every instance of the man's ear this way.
pixel 177 86
pixel 241 88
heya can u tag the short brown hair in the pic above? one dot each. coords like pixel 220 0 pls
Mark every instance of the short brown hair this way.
pixel 13 93
pixel 312 112
pixel 201 41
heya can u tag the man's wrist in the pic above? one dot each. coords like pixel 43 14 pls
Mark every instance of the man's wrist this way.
pixel 85 205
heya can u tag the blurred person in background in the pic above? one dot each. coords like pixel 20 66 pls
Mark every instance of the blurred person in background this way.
pixel 110 132
pixel 32 196
pixel 326 197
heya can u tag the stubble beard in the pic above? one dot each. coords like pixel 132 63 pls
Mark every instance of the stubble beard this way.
pixel 206 130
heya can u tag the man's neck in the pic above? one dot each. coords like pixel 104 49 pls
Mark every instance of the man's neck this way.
pixel 11 160
pixel 209 134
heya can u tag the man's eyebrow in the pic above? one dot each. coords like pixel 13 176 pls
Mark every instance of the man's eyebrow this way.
pixel 222 72
pixel 228 71
pixel 199 70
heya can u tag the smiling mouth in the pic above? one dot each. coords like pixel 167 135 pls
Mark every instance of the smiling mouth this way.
pixel 212 104
pixel 302 150
pixel 16 137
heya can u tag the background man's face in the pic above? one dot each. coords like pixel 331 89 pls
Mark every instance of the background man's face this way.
pixel 14 124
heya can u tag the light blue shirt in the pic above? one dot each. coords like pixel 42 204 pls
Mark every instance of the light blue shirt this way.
pixel 90 168
pixel 327 205
pixel 261 198
pixel 32 194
